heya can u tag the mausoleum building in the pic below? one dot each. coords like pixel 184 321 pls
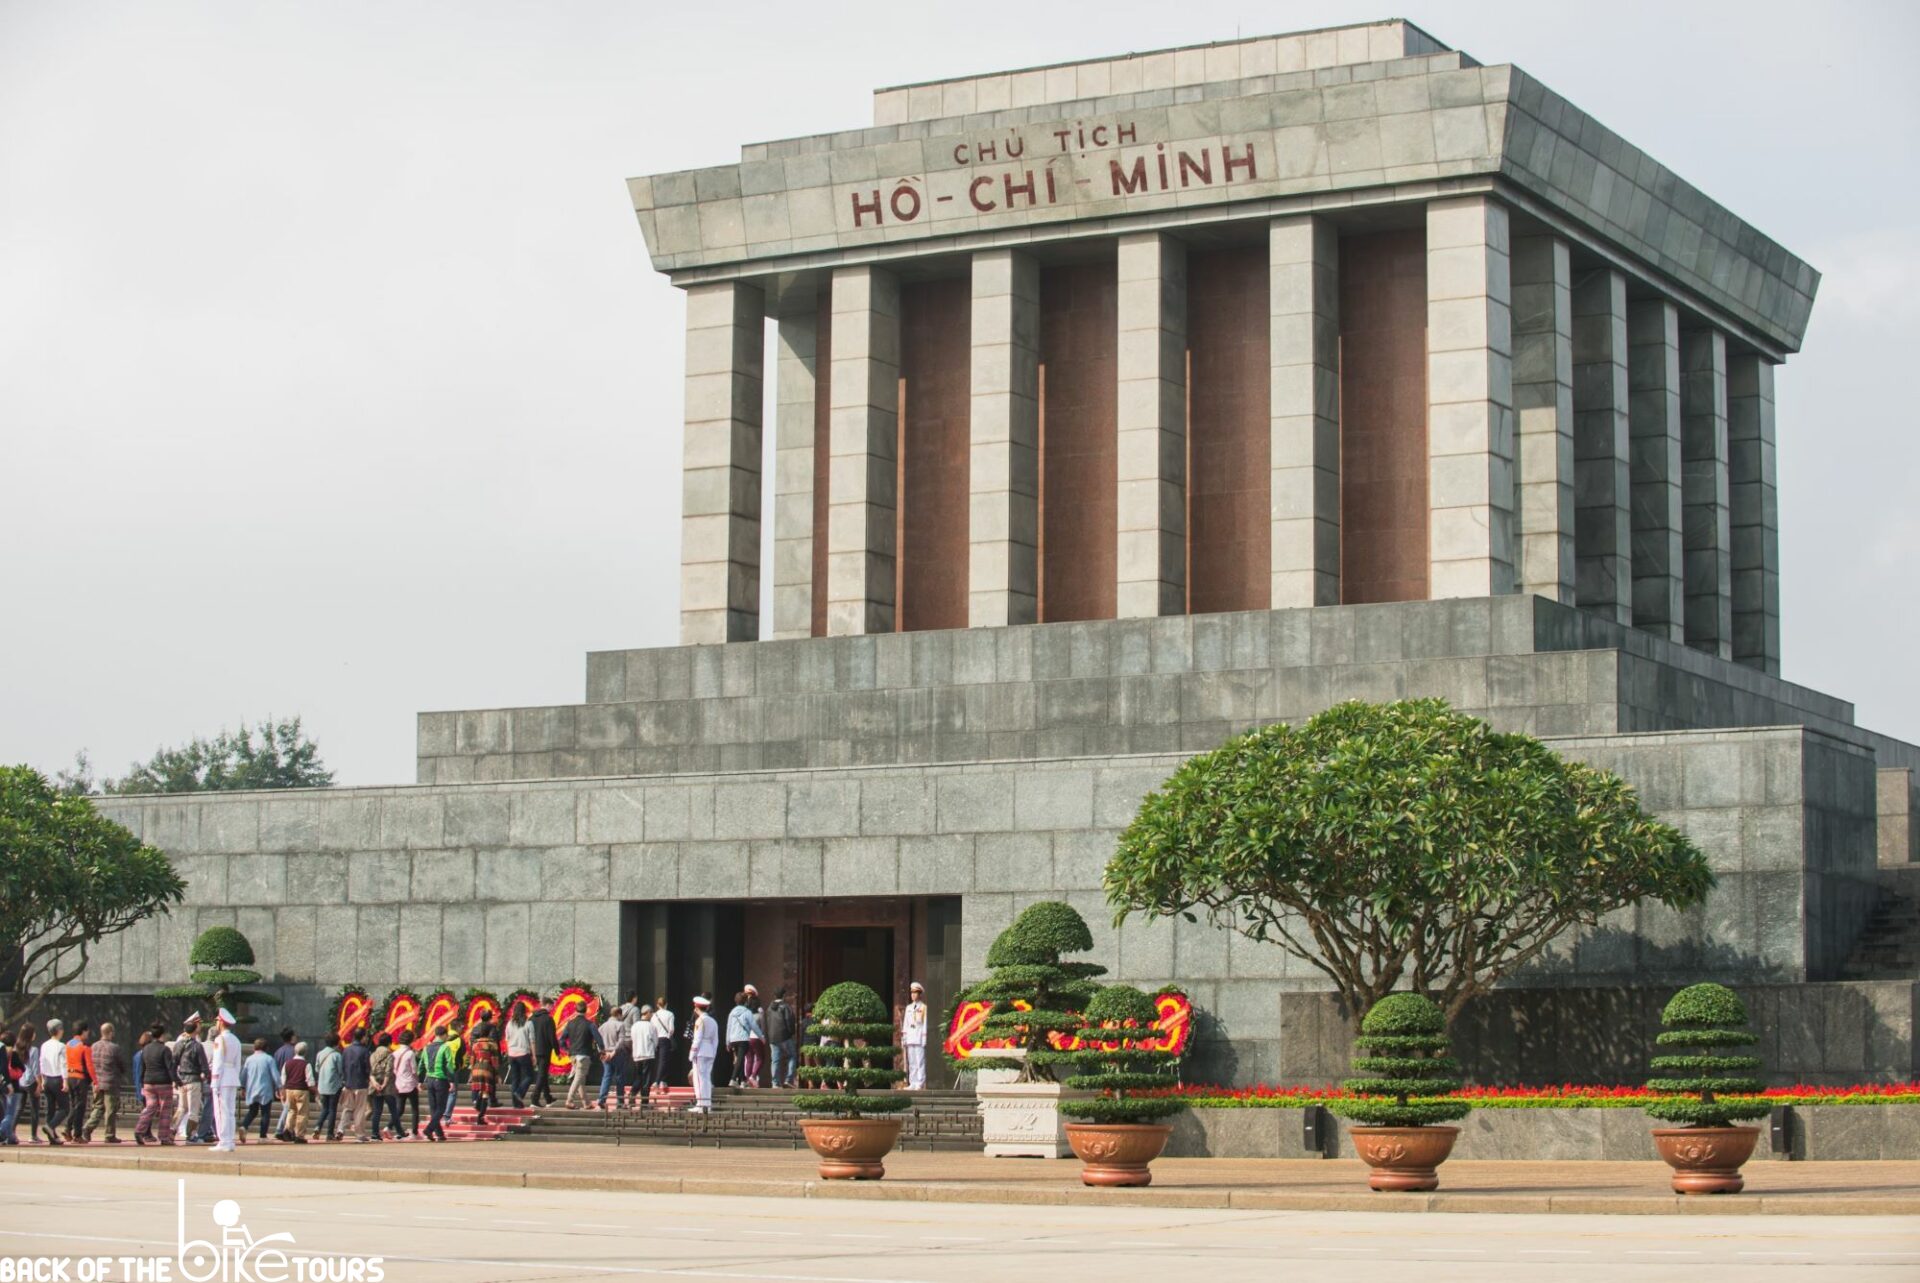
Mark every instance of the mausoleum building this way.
pixel 1119 406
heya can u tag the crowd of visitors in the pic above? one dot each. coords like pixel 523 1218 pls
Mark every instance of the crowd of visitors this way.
pixel 192 1085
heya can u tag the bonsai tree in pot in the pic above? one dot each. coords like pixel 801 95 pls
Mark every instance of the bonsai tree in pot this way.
pixel 1702 1023
pixel 1402 1073
pixel 1035 995
pixel 1036 999
pixel 1118 1133
pixel 856 1051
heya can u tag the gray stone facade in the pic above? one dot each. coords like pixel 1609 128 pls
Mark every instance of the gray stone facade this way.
pixel 522 882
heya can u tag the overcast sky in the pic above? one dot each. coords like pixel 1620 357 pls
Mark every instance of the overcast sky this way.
pixel 334 379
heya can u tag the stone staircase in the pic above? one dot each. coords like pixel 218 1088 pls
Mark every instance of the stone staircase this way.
pixel 1889 945
pixel 938 1120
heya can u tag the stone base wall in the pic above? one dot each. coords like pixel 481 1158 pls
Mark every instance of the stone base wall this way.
pixel 1825 1034
pixel 1818 1132
pixel 1106 687
pixel 500 885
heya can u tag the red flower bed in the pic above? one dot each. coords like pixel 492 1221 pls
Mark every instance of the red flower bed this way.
pixel 1562 1096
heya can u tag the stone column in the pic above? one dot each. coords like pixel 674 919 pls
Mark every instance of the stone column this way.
pixel 1003 510
pixel 1653 424
pixel 861 486
pixel 796 377
pixel 720 479
pixel 1304 293
pixel 1543 414
pixel 1706 528
pixel 1755 512
pixel 1470 435
pixel 1152 422
pixel 1602 484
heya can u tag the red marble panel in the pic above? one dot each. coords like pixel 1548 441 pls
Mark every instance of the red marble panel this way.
pixel 1079 333
pixel 936 398
pixel 1229 540
pixel 1383 416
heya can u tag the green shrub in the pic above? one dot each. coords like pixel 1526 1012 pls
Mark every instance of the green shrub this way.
pixel 221 947
pixel 1402 1060
pixel 1113 1063
pixel 1026 965
pixel 222 974
pixel 861 1054
pixel 1701 1017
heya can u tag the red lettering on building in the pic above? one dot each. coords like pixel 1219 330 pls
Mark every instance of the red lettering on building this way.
pixel 973 194
pixel 1247 164
pixel 907 209
pixel 862 209
pixel 1191 168
pixel 1013 188
pixel 1124 134
pixel 1125 182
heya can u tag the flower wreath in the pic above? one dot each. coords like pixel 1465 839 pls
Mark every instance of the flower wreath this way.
pixel 574 995
pixel 351 1010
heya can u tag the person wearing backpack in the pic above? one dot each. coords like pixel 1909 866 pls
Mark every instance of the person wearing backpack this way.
pixel 438 1073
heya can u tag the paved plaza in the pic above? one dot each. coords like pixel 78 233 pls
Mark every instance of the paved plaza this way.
pixel 1833 1188
pixel 427 1231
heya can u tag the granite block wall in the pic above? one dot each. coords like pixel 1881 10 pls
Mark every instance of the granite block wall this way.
pixel 1105 687
pixel 1834 1034
pixel 521 883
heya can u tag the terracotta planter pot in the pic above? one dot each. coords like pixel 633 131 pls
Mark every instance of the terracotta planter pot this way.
pixel 850 1149
pixel 1117 1153
pixel 1706 1160
pixel 1403 1158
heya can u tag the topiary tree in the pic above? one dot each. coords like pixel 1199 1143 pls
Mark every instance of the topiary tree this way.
pixel 1402 1065
pixel 223 968
pixel 1112 1062
pixel 1709 1019
pixel 861 1054
pixel 1034 994
pixel 1398 845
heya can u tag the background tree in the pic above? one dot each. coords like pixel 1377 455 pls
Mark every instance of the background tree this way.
pixel 222 960
pixel 69 878
pixel 1027 970
pixel 1401 845
pixel 274 755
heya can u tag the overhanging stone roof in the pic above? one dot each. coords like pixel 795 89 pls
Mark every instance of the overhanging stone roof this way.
pixel 1388 130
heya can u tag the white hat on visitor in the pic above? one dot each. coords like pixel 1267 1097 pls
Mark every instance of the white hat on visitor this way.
pixel 226 1017
pixel 700 1000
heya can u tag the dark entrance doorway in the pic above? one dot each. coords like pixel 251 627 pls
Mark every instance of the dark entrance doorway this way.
pixel 682 947
pixel 829 955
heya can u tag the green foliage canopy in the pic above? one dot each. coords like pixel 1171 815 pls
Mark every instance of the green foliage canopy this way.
pixel 69 878
pixel 856 1051
pixel 1707 1018
pixel 276 754
pixel 1027 968
pixel 1112 1062
pixel 1398 845
pixel 1401 1065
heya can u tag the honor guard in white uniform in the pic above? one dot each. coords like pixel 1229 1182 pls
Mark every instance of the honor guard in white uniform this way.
pixel 704 1046
pixel 913 1037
